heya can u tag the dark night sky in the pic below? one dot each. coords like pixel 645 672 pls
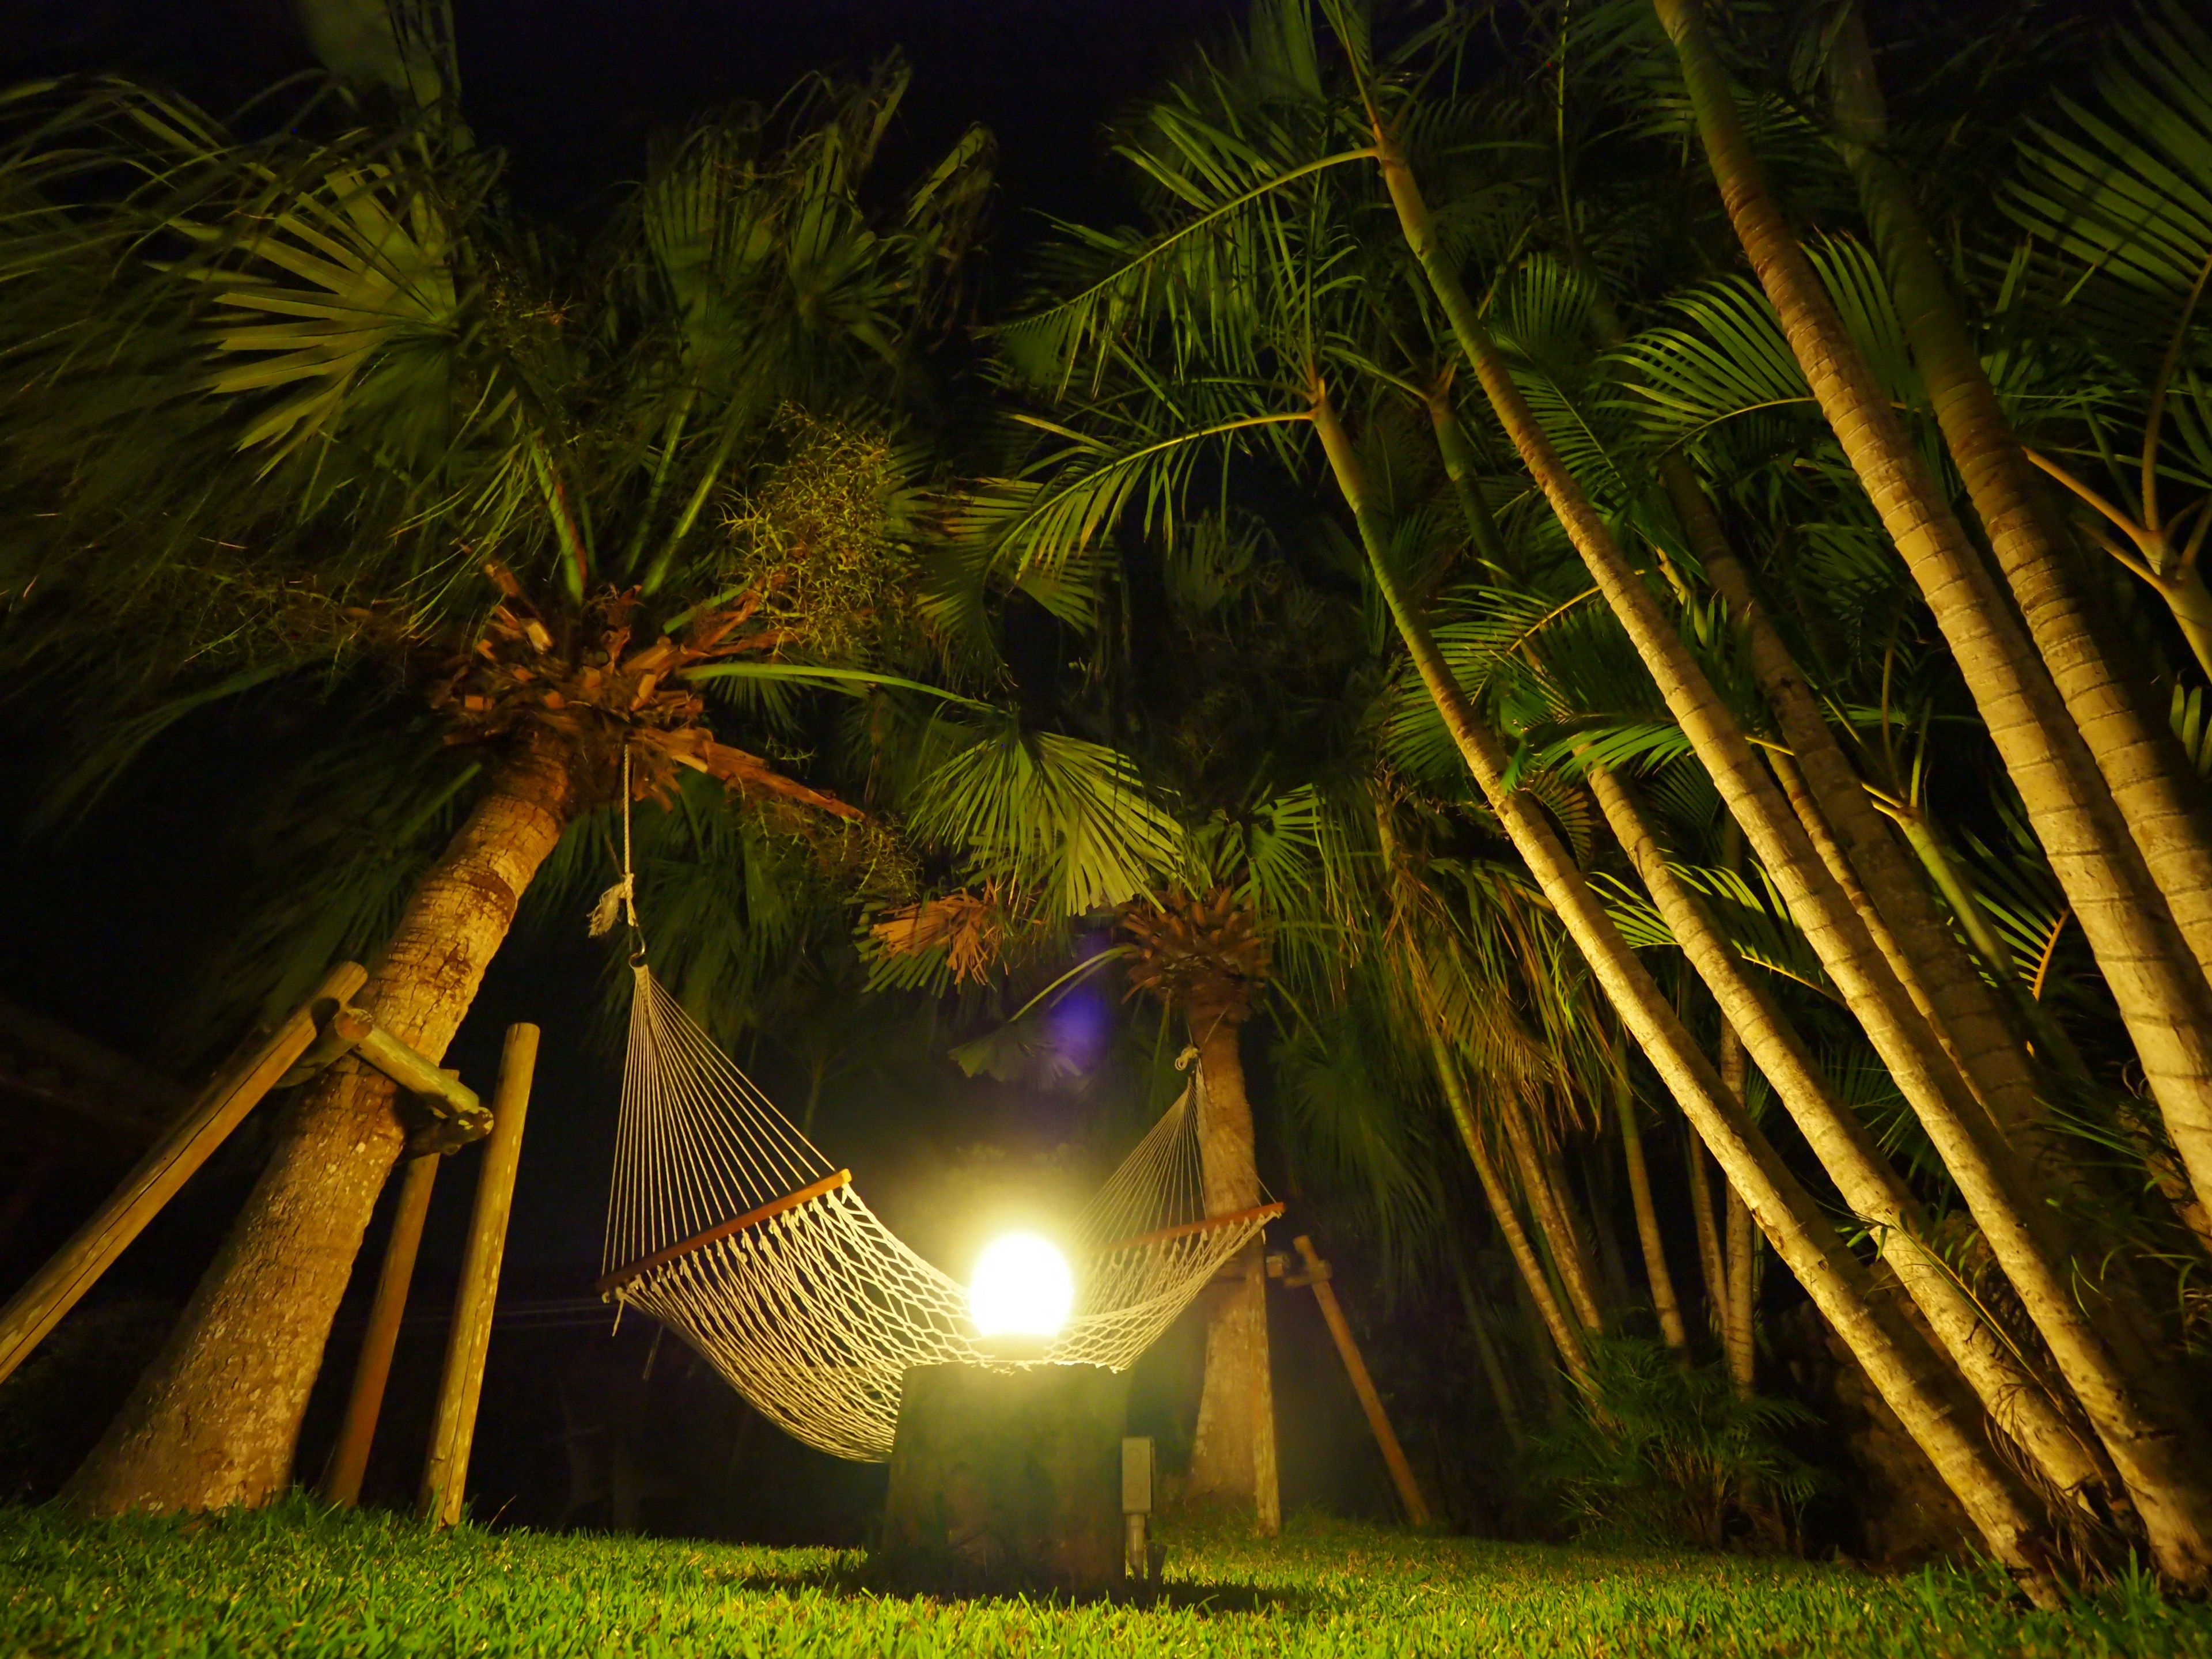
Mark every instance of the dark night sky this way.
pixel 571 87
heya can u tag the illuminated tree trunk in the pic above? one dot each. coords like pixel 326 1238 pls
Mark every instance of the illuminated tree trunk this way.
pixel 2154 979
pixel 2016 1400
pixel 216 1419
pixel 1664 1302
pixel 1909 1376
pixel 1233 1457
pixel 1567 1339
pixel 2158 794
pixel 2151 1457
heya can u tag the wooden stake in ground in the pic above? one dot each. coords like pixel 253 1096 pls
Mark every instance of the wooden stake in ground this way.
pixel 221 1107
pixel 445 1473
pixel 1317 1275
pixel 349 1457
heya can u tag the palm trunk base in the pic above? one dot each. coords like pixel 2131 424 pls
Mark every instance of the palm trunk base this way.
pixel 216 1419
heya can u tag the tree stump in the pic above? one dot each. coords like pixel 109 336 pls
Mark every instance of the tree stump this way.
pixel 1007 1479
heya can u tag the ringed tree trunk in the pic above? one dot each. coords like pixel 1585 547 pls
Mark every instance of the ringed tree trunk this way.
pixel 2152 1454
pixel 1233 1455
pixel 1907 1373
pixel 1551 1203
pixel 1859 844
pixel 2162 992
pixel 215 1421
pixel 1752 1028
pixel 1567 1337
pixel 1740 1341
pixel 2158 795
pixel 1664 1302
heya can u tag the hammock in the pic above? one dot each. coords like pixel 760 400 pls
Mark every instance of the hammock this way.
pixel 728 1226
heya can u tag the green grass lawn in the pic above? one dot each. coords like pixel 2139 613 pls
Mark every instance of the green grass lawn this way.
pixel 300 1581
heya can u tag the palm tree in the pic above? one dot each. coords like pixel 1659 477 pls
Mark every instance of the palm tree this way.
pixel 1251 339
pixel 313 409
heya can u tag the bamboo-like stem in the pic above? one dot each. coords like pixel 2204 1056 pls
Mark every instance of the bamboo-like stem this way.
pixel 1712 1256
pixel 1548 1202
pixel 1906 1373
pixel 1493 1364
pixel 1567 1339
pixel 453 1434
pixel 1741 1342
pixel 2158 795
pixel 2015 1399
pixel 1655 1272
pixel 365 1403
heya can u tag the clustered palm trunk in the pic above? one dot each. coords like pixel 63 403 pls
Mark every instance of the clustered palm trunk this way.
pixel 2078 1381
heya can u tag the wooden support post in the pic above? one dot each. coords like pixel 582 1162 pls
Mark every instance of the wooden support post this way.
pixel 453 1431
pixel 349 1457
pixel 221 1106
pixel 1401 1473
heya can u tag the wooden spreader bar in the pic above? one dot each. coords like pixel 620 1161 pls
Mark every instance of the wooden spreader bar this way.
pixel 607 1283
pixel 1160 1236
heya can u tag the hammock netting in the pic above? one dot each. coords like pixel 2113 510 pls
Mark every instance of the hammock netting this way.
pixel 728 1226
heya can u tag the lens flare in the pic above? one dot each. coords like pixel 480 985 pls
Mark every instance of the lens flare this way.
pixel 1022 1287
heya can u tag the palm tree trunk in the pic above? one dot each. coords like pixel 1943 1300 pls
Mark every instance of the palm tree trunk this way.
pixel 2151 1455
pixel 1460 467
pixel 216 1419
pixel 1664 1301
pixel 1712 1257
pixel 2161 992
pixel 1565 1338
pixel 1740 1342
pixel 1233 1455
pixel 2158 795
pixel 1906 1372
pixel 1493 1366
pixel 1549 1202
pixel 2014 1399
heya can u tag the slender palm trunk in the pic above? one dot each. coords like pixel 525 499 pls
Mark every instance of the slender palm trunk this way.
pixel 1567 1339
pixel 216 1419
pixel 1233 1455
pixel 1459 466
pixel 1664 1302
pixel 2161 992
pixel 1549 1201
pixel 2151 1454
pixel 1899 1364
pixel 1740 1342
pixel 1711 1257
pixel 1493 1366
pixel 2158 793
pixel 2013 1398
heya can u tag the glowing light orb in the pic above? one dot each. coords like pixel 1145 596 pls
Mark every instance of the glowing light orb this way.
pixel 1022 1287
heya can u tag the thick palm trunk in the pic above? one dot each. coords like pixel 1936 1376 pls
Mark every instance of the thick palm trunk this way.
pixel 1233 1455
pixel 1548 1202
pixel 215 1421
pixel 2150 1454
pixel 1565 1338
pixel 2154 979
pixel 1664 1302
pixel 2157 792
pixel 1907 1374
pixel 2014 1399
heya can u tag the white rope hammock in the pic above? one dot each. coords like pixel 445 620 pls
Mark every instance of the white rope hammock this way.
pixel 728 1226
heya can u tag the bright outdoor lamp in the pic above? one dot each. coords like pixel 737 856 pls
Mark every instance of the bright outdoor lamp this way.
pixel 1022 1287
